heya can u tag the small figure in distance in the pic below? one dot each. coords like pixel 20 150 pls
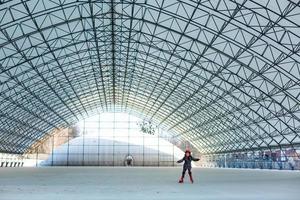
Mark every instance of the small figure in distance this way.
pixel 129 160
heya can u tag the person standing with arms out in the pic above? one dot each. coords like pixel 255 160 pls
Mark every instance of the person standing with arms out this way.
pixel 188 158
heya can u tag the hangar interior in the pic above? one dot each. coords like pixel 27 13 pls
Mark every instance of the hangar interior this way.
pixel 134 83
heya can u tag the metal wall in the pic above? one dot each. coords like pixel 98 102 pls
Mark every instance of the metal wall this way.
pixel 281 159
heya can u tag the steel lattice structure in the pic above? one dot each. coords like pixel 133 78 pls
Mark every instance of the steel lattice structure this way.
pixel 223 74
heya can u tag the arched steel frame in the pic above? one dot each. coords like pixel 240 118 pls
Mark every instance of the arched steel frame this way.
pixel 222 74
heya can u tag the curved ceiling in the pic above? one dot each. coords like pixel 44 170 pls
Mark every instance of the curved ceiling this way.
pixel 222 74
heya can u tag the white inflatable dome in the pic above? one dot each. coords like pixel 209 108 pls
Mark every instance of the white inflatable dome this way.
pixel 114 151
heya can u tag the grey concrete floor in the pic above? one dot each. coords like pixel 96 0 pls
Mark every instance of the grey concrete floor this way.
pixel 86 183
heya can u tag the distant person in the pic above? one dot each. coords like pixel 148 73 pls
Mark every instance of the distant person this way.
pixel 188 158
pixel 129 160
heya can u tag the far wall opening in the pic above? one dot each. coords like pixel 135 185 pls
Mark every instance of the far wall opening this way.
pixel 110 139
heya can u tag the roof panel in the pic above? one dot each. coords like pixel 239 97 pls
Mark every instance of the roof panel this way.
pixel 223 74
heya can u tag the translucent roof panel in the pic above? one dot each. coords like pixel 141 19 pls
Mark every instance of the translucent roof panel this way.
pixel 224 75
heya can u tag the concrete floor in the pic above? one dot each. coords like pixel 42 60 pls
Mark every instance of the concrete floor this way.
pixel 146 183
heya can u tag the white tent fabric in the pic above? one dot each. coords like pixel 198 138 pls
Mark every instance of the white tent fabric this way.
pixel 109 151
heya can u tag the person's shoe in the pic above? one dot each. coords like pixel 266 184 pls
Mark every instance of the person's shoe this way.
pixel 180 180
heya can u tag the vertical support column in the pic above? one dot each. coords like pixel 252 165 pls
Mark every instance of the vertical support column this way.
pixel 158 147
pixel 143 149
pixel 99 120
pixel 173 161
pixel 83 143
pixel 128 134
pixel 37 156
pixel 114 129
pixel 68 150
pixel 52 151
